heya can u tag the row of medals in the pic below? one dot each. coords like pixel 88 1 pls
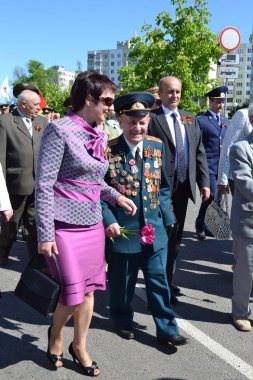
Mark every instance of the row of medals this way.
pixel 128 184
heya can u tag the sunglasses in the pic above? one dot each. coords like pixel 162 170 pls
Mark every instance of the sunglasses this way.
pixel 107 101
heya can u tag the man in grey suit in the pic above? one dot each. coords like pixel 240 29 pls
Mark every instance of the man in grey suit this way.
pixel 241 164
pixel 20 135
pixel 186 161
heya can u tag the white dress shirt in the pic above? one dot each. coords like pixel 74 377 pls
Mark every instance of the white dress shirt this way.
pixel 4 196
pixel 167 113
pixel 27 121
pixel 133 147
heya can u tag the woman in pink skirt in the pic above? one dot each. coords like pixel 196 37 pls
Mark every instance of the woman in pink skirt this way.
pixel 69 185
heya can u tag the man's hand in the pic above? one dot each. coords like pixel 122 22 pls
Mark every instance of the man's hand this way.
pixel 223 189
pixel 128 204
pixel 47 248
pixel 7 214
pixel 205 193
pixel 113 230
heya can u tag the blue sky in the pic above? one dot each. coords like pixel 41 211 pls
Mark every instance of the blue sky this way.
pixel 61 33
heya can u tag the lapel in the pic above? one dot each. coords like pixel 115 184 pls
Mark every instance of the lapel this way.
pixel 161 118
pixel 20 124
pixel 188 127
pixel 36 131
pixel 213 121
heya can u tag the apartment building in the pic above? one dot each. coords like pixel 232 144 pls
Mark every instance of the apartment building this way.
pixel 65 79
pixel 240 89
pixel 108 62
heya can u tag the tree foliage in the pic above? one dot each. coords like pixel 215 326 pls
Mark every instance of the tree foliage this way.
pixel 35 73
pixel 184 47
pixel 44 79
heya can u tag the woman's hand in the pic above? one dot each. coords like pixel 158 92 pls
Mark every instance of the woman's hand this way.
pixel 47 248
pixel 113 230
pixel 128 204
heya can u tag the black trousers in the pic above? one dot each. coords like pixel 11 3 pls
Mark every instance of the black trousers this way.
pixel 23 208
pixel 180 196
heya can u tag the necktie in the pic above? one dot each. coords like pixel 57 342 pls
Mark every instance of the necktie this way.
pixel 181 166
pixel 29 125
pixel 138 159
pixel 218 119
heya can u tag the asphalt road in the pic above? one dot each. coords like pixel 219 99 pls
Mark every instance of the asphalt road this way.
pixel 216 350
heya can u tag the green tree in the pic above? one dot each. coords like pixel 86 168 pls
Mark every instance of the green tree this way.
pixel 44 79
pixel 185 48
pixel 35 73
pixel 54 95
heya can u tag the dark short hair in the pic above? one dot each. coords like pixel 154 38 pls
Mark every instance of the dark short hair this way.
pixel 89 83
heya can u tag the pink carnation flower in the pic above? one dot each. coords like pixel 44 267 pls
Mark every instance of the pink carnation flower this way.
pixel 147 234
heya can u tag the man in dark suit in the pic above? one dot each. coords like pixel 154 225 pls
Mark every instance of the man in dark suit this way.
pixel 213 126
pixel 185 161
pixel 137 170
pixel 20 135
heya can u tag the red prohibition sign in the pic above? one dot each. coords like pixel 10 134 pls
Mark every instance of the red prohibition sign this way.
pixel 230 38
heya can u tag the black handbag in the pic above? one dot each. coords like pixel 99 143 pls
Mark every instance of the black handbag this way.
pixel 37 288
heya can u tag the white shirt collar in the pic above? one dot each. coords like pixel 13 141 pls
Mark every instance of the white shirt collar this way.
pixel 133 147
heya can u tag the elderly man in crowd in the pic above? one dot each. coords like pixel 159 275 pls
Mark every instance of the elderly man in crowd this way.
pixel 20 135
pixel 186 161
pixel 241 161
pixel 137 170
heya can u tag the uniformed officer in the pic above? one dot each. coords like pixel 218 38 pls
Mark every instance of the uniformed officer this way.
pixel 137 170
pixel 213 127
pixel 4 108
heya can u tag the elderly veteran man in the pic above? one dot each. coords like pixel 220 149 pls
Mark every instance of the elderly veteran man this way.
pixel 20 135
pixel 213 125
pixel 137 170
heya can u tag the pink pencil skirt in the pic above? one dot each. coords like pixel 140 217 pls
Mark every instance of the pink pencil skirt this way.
pixel 81 260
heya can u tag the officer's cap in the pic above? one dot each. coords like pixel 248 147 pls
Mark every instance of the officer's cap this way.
pixel 217 93
pixel 4 106
pixel 18 88
pixel 47 110
pixel 134 103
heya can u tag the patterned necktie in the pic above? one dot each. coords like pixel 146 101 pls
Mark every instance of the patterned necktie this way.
pixel 29 125
pixel 218 119
pixel 138 159
pixel 181 166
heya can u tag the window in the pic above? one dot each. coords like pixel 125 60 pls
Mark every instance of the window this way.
pixel 112 55
pixel 239 84
pixel 112 78
pixel 105 56
pixel 241 59
pixel 247 92
pixel 119 63
pixel 238 93
pixel 119 55
pixel 112 71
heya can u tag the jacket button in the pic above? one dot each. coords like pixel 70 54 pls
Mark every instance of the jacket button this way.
pixel 145 209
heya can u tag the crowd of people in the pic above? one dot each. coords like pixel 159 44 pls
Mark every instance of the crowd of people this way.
pixel 86 189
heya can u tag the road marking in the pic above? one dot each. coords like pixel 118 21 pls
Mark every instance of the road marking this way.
pixel 213 346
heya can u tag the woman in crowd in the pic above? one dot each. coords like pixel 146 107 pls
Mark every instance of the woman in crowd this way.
pixel 70 182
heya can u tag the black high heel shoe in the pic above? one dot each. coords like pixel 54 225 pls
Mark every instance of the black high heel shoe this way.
pixel 89 371
pixel 52 357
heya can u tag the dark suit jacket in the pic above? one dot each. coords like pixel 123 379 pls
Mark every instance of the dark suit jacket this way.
pixel 19 152
pixel 198 170
pixel 212 137
pixel 151 190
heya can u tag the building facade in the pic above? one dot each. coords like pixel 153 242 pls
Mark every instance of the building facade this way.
pixel 64 79
pixel 108 62
pixel 240 89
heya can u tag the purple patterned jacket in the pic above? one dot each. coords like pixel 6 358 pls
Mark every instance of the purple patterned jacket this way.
pixel 70 182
